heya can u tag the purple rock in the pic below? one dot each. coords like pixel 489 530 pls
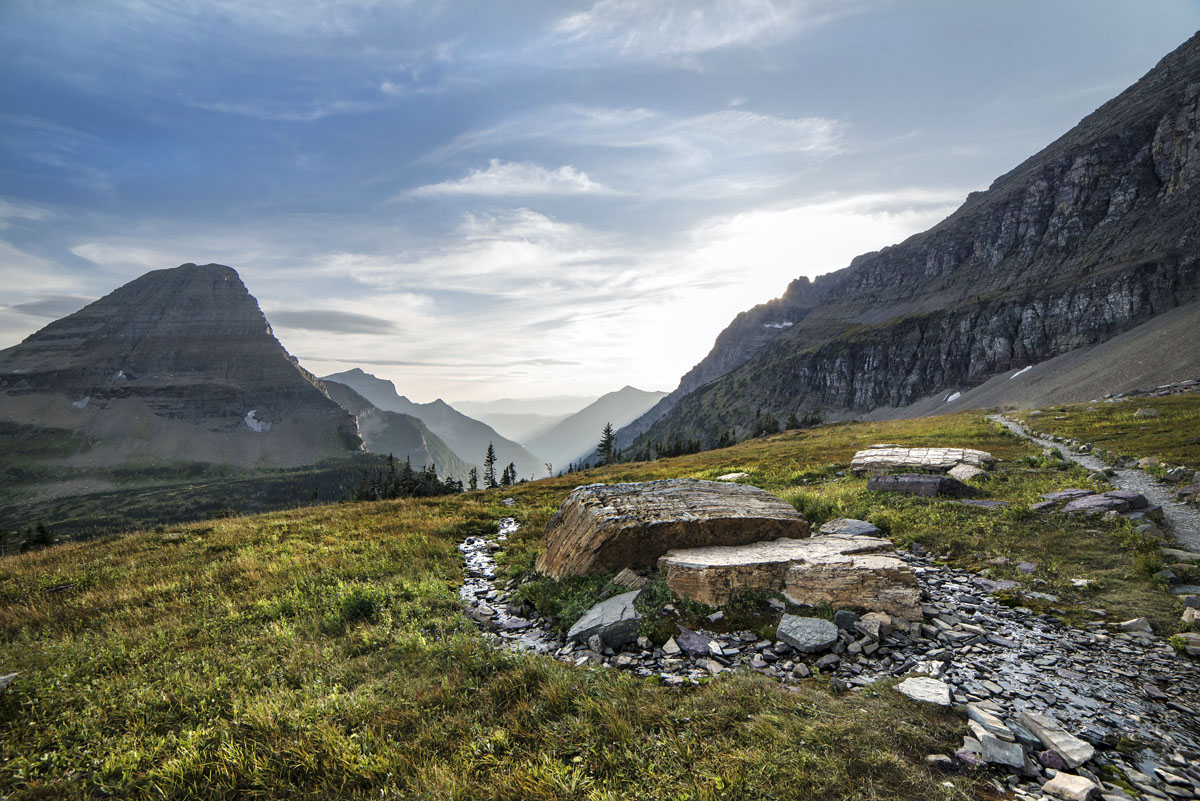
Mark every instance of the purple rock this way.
pixel 692 643
pixel 1092 504
pixel 968 758
pixel 1136 500
pixel 1067 494
pixel 1050 759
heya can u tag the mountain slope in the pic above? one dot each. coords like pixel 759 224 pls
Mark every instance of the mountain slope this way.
pixel 177 365
pixel 521 427
pixel 1089 238
pixel 399 435
pixel 575 437
pixel 466 436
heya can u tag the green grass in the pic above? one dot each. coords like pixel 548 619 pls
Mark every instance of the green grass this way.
pixel 1173 437
pixel 323 652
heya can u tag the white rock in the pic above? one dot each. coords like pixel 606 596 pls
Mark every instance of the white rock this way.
pixel 1072 787
pixel 1072 750
pixel 923 688
pixel 1137 624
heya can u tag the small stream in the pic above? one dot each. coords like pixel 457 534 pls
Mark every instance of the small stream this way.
pixel 1183 521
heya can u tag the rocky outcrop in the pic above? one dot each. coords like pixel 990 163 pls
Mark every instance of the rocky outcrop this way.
pixel 177 365
pixel 875 581
pixel 1085 240
pixel 611 526
pixel 920 484
pixel 884 459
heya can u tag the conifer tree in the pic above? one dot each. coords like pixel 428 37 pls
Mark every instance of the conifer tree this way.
pixel 606 450
pixel 473 479
pixel 489 467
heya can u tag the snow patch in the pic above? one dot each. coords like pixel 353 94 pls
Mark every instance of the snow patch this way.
pixel 82 404
pixel 1022 371
pixel 254 424
pixel 778 325
pixel 953 396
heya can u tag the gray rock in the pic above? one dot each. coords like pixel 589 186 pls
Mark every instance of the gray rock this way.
pixel 966 472
pixel 1137 624
pixel 614 620
pixel 999 752
pixel 844 619
pixel 849 527
pixel 1071 787
pixel 7 679
pixel 929 486
pixel 923 688
pixel 1094 504
pixel 1074 752
pixel 692 643
pixel 1147 412
pixel 808 635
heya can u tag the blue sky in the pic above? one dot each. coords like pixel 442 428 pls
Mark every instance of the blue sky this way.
pixel 490 199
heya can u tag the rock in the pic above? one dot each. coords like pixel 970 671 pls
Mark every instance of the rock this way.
pixel 1146 413
pixel 1093 504
pixel 992 724
pixel 999 752
pixel 1052 760
pixel 940 762
pixel 1136 499
pixel 717 574
pixel 923 688
pixel 929 486
pixel 1027 568
pixel 7 679
pixel 966 472
pixel 627 578
pixel 881 460
pixel 614 620
pixel 1191 643
pixel 1137 624
pixel 1147 461
pixel 808 635
pixel 848 527
pixel 692 643
pixel 845 619
pixel 1074 752
pixel 671 648
pixel 827 663
pixel 969 758
pixel 874 581
pixel 1071 787
pixel 733 477
pixel 1190 615
pixel 608 527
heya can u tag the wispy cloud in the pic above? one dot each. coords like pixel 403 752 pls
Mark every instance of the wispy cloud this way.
pixel 52 306
pixel 11 210
pixel 330 320
pixel 516 179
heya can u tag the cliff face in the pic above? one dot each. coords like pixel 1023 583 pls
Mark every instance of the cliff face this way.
pixel 177 365
pixel 1085 240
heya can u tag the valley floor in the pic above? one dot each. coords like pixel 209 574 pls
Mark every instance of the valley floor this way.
pixel 325 652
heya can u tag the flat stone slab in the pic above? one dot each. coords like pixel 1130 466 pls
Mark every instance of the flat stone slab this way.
pixel 603 527
pixel 808 635
pixel 929 486
pixel 877 460
pixel 1074 752
pixel 614 620
pixel 966 472
pixel 718 573
pixel 923 688
pixel 733 477
pixel 875 581
pixel 849 527
pixel 1093 504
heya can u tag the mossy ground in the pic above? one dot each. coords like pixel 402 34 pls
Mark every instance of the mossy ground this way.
pixel 323 652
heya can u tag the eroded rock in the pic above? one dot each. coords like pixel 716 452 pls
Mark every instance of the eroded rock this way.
pixel 929 486
pixel 612 526
pixel 880 460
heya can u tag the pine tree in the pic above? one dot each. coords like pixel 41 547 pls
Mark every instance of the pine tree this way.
pixel 489 467
pixel 792 422
pixel 606 450
pixel 473 479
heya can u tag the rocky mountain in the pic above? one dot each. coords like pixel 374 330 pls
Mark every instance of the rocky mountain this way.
pixel 550 406
pixel 178 365
pixel 466 436
pixel 576 436
pixel 521 427
pixel 1089 238
pixel 399 435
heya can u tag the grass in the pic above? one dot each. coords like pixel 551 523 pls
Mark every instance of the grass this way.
pixel 1173 437
pixel 323 652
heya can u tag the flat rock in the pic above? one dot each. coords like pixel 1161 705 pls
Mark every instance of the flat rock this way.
pixel 923 688
pixel 7 679
pixel 808 635
pixel 1093 504
pixel 930 486
pixel 849 527
pixel 692 643
pixel 1072 787
pixel 630 579
pixel 1074 752
pixel 881 460
pixel 1068 494
pixel 878 582
pixel 966 472
pixel 614 620
pixel 1001 752
pixel 717 574
pixel 733 477
pixel 611 526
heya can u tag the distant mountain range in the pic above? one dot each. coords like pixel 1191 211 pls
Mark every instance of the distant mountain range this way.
pixel 1088 239
pixel 549 406
pixel 572 439
pixel 467 437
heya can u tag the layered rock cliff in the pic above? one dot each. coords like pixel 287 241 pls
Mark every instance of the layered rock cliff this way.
pixel 1087 239
pixel 177 365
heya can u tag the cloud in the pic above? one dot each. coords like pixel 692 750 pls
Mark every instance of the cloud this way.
pixel 404 363
pixel 338 322
pixel 309 111
pixel 52 306
pixel 516 179
pixel 17 210
pixel 674 30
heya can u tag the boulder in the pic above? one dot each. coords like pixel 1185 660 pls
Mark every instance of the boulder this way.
pixel 966 472
pixel 923 688
pixel 876 460
pixel 614 621
pixel 920 484
pixel 1146 412
pixel 1072 787
pixel 716 574
pixel 610 526
pixel 879 582
pixel 692 643
pixel 849 527
pixel 1073 751
pixel 733 477
pixel 808 635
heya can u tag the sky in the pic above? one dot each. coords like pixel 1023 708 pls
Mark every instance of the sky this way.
pixel 480 200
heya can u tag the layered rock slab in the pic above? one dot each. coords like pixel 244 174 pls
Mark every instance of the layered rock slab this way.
pixel 929 486
pixel 602 527
pixel 844 571
pixel 877 461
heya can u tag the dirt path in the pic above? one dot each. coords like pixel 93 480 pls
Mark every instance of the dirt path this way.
pixel 1182 520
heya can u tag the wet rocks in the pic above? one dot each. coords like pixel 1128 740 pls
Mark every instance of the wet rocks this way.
pixel 611 526
pixel 614 621
pixel 930 486
pixel 878 460
pixel 808 635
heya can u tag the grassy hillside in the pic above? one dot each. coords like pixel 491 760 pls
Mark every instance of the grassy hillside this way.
pixel 323 653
